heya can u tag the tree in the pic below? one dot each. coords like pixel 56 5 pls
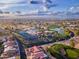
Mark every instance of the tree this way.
pixel 76 32
pixel 67 32
pixel 72 43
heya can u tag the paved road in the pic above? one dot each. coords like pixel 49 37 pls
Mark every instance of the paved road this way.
pixel 22 51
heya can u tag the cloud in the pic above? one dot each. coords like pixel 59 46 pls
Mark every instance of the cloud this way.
pixel 32 12
pixel 74 9
pixel 10 3
pixel 71 12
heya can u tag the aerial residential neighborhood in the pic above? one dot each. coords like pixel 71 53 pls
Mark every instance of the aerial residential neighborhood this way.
pixel 39 29
pixel 33 42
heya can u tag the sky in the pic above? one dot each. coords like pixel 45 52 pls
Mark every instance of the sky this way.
pixel 60 8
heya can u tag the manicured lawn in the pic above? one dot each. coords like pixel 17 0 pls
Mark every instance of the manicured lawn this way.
pixel 61 51
pixel 72 54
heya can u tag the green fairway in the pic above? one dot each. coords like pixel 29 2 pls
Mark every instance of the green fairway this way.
pixel 61 51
